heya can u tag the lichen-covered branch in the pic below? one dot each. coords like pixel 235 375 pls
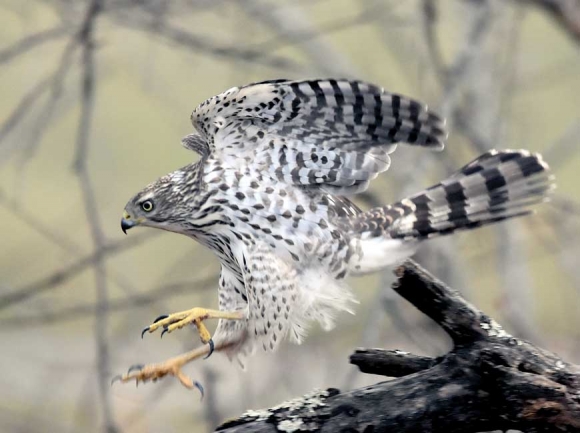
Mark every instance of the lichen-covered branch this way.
pixel 488 381
pixel 392 363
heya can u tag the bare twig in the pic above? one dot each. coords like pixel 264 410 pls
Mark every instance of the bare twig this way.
pixel 163 292
pixel 60 276
pixel 212 413
pixel 460 70
pixel 289 22
pixel 32 41
pixel 205 45
pixel 518 298
pixel 41 124
pixel 430 16
pixel 64 242
pixel 13 207
pixel 561 151
pixel 86 40
pixel 53 80
pixel 23 107
pixel 296 36
pixel 564 12
pixel 454 76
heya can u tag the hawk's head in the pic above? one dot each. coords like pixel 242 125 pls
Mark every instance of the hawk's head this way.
pixel 166 203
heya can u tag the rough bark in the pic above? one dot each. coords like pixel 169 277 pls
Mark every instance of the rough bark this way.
pixel 489 381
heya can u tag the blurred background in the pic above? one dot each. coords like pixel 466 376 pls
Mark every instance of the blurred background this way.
pixel 95 97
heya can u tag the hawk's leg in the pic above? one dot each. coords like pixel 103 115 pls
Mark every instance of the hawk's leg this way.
pixel 196 316
pixel 173 366
pixel 170 367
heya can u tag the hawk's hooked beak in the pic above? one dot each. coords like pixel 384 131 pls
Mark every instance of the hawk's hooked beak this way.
pixel 127 222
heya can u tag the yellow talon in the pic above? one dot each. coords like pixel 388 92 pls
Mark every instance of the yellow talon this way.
pixel 196 316
pixel 204 334
pixel 171 367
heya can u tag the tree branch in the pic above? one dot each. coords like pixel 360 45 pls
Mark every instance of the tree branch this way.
pixel 85 310
pixel 489 381
pixel 86 38
pixel 58 277
pixel 565 12
pixel 461 321
pixel 32 41
pixel 392 363
pixel 203 44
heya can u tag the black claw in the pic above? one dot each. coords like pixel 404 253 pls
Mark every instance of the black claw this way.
pixel 200 387
pixel 164 331
pixel 163 316
pixel 136 367
pixel 144 331
pixel 117 378
pixel 211 348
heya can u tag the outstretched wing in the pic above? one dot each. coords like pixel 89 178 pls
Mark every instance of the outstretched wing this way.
pixel 334 134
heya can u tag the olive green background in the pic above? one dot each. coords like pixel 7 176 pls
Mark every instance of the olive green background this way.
pixel 521 90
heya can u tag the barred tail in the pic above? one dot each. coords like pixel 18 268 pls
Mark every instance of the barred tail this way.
pixel 496 186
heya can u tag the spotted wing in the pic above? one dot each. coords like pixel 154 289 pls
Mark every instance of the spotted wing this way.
pixel 334 134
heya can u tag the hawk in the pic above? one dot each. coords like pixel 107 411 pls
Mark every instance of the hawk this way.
pixel 269 196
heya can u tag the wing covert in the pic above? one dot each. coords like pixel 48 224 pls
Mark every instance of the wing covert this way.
pixel 334 134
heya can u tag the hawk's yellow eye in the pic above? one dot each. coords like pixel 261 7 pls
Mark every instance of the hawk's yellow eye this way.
pixel 147 205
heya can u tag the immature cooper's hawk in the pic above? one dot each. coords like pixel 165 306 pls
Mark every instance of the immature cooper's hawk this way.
pixel 268 197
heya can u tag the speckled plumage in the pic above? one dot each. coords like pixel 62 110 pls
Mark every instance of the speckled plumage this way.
pixel 268 198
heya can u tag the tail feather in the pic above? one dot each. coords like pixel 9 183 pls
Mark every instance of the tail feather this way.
pixel 496 186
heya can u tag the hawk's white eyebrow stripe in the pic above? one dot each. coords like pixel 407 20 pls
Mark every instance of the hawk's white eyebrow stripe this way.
pixel 147 196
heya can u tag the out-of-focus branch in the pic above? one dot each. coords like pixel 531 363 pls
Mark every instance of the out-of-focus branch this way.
pixel 62 275
pixel 138 300
pixel 87 43
pixel 12 206
pixel 296 36
pixel 42 123
pixel 564 237
pixel 563 149
pixel 67 244
pixel 53 80
pixel 29 42
pixel 565 12
pixel 429 15
pixel 211 407
pixel 459 71
pixel 86 40
pixel 485 117
pixel 453 76
pixel 288 21
pixel 203 44
pixel 23 107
